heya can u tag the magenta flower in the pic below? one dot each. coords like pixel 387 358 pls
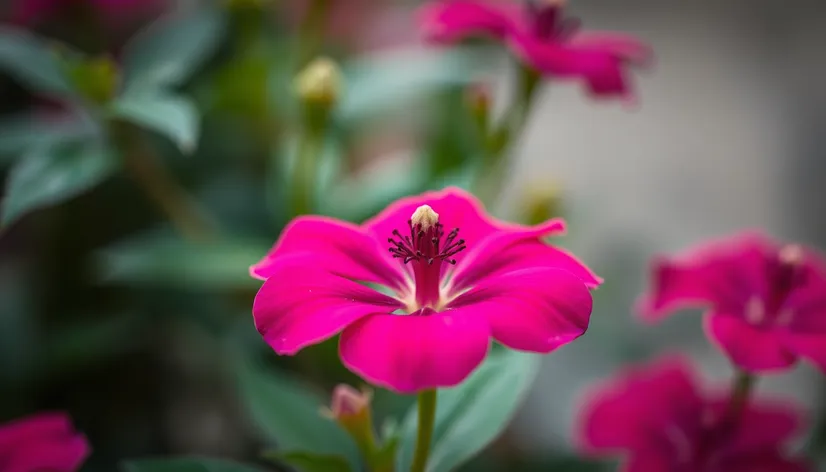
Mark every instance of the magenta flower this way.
pixel 661 421
pixel 766 301
pixel 418 291
pixel 544 40
pixel 43 442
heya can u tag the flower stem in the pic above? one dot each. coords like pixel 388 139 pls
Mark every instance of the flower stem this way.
pixel 311 32
pixel 310 146
pixel 427 419
pixel 498 141
pixel 740 392
pixel 146 170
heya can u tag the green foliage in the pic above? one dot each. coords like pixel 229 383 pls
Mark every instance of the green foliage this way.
pixel 33 62
pixel 470 416
pixel 289 414
pixel 169 51
pixel 172 116
pixel 164 260
pixel 187 464
pixel 310 462
pixel 48 174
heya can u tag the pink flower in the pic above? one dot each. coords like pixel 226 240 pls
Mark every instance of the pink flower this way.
pixel 662 421
pixel 43 442
pixel 766 301
pixel 417 303
pixel 543 39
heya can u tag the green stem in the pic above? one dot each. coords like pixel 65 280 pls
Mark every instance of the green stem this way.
pixel 498 141
pixel 311 33
pixel 161 187
pixel 427 419
pixel 304 171
pixel 740 391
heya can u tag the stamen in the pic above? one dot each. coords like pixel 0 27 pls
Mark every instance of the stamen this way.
pixel 425 241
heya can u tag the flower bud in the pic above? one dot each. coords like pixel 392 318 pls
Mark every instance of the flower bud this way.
pixel 542 202
pixel 478 100
pixel 97 79
pixel 350 408
pixel 319 83
pixel 349 402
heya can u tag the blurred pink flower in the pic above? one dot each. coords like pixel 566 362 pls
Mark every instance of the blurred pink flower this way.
pixel 445 293
pixel 545 40
pixel 43 442
pixel 766 301
pixel 661 420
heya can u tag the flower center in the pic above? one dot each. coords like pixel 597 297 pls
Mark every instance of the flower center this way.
pixel 786 273
pixel 548 23
pixel 426 248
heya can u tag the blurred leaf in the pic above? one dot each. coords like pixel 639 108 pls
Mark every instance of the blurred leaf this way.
pixel 173 116
pixel 391 79
pixel 19 133
pixel 167 261
pixel 187 464
pixel 289 414
pixel 33 62
pixel 171 49
pixel 49 174
pixel 358 197
pixel 309 462
pixel 87 341
pixel 473 414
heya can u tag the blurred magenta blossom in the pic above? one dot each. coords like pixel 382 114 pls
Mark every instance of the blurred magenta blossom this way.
pixel 660 418
pixel 766 300
pixel 444 292
pixel 40 443
pixel 547 42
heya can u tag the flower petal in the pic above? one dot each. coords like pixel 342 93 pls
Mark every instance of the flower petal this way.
pixel 724 273
pixel 750 348
pixel 341 247
pixel 808 346
pixel 649 460
pixel 634 410
pixel 765 424
pixel 452 21
pixel 534 310
pixel 764 461
pixel 300 304
pixel 456 209
pixel 623 46
pixel 410 353
pixel 518 249
pixel 46 441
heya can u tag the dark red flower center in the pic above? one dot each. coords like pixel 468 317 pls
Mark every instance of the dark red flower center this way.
pixel 426 247
pixel 548 21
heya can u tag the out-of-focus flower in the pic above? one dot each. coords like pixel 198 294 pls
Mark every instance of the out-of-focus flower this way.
pixel 662 421
pixel 320 82
pixel 43 442
pixel 766 300
pixel 443 294
pixel 543 39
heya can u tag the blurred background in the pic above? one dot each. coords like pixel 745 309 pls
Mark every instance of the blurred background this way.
pixel 124 292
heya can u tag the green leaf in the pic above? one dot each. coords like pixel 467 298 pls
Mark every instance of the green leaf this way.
pixel 171 49
pixel 33 62
pixel 309 462
pixel 289 414
pixel 170 115
pixel 187 464
pixel 49 174
pixel 473 414
pixel 387 81
pixel 163 260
